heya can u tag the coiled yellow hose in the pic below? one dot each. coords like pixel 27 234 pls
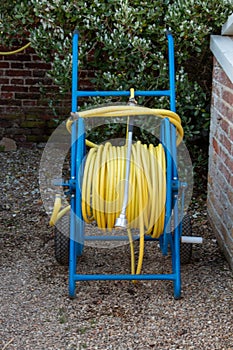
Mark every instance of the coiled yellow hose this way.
pixel 103 190
pixel 104 174
pixel 103 186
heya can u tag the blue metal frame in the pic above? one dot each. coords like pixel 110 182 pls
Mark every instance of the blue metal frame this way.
pixel 78 93
pixel 168 139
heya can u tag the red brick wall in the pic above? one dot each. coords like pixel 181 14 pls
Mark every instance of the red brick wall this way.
pixel 220 179
pixel 25 115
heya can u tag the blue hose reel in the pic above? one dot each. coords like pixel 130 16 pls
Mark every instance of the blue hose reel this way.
pixel 171 237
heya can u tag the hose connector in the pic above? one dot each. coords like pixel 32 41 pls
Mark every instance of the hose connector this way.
pixel 132 101
pixel 74 116
pixel 121 222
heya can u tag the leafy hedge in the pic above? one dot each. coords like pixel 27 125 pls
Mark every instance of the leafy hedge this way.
pixel 124 42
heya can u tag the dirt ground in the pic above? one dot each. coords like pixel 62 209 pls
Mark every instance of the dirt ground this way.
pixel 36 312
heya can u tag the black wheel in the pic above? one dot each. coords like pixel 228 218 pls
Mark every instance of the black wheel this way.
pixel 62 240
pixel 186 248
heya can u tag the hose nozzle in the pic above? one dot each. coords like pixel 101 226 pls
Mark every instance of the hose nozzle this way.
pixel 121 222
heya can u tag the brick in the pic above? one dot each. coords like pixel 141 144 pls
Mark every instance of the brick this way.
pixel 17 65
pixel 224 124
pixel 39 130
pixel 32 124
pixel 43 103
pixel 4 81
pixel 36 111
pixel 2 111
pixel 37 138
pixel 224 200
pixel 7 95
pixel 229 164
pixel 226 110
pixel 22 57
pixel 230 132
pixel 214 202
pixel 10 102
pixel 19 73
pixel 222 78
pixel 39 73
pixel 225 171
pixel 223 154
pixel 34 89
pixel 18 131
pixel 14 88
pixel 227 95
pixel 14 109
pixel 27 96
pixel 29 103
pixel 13 117
pixel 38 65
pixel 4 65
pixel 17 81
pixel 33 81
pixel 230 195
pixel 215 145
pixel 225 141
pixel 222 182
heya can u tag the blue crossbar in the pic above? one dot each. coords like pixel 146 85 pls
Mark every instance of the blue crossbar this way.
pixel 114 277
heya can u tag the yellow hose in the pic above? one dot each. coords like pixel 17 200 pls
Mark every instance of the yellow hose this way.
pixel 104 174
pixel 122 111
pixel 61 213
pixel 56 209
pixel 103 187
pixel 15 51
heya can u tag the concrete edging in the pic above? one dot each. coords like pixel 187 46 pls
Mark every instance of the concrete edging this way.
pixel 222 49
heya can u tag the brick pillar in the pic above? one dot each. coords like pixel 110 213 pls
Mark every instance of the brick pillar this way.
pixel 220 178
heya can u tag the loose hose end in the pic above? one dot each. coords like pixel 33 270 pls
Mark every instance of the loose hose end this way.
pixel 121 222
pixel 56 209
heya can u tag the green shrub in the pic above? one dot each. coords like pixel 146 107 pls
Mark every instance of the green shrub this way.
pixel 124 43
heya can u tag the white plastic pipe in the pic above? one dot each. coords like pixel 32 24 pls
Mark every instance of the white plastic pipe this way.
pixel 191 239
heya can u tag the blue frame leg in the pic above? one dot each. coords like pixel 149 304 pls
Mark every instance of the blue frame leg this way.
pixel 72 252
pixel 175 244
pixel 80 153
pixel 176 265
pixel 76 220
pixel 175 247
pixel 72 269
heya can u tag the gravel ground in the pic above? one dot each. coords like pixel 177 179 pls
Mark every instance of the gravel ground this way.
pixel 36 312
